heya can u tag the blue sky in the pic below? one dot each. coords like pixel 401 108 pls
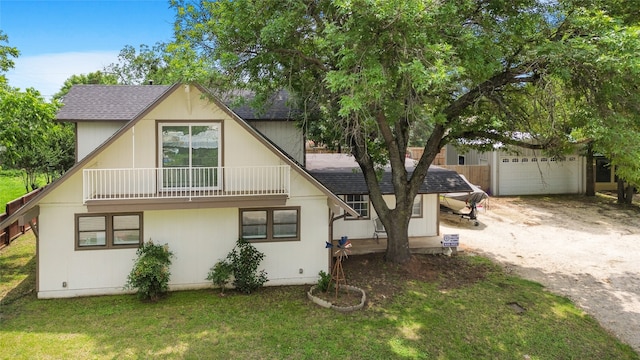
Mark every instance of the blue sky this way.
pixel 60 38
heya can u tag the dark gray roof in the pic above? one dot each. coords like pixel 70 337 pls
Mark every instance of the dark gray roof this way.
pixel 277 108
pixel 109 102
pixel 334 172
pixel 125 102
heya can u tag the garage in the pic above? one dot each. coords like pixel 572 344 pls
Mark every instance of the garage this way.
pixel 538 175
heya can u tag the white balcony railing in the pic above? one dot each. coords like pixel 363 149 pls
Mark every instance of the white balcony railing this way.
pixel 194 182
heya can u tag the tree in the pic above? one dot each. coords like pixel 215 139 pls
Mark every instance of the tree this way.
pixel 6 53
pixel 484 71
pixel 96 77
pixel 28 136
pixel 137 68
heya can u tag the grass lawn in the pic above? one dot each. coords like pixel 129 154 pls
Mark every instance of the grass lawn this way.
pixel 423 319
pixel 12 186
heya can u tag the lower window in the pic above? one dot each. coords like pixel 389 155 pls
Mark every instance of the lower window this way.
pixel 359 203
pixel 416 210
pixel 276 224
pixel 108 231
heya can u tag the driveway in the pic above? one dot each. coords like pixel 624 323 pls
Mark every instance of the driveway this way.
pixel 584 248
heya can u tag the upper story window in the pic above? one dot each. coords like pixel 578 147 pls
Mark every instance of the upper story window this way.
pixel 359 203
pixel 189 155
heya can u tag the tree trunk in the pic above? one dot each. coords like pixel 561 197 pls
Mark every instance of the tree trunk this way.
pixel 398 250
pixel 629 191
pixel 621 192
pixel 591 179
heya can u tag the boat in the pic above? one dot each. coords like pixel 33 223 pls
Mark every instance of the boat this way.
pixel 464 203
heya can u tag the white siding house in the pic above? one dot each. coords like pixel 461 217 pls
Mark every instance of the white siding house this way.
pixel 120 191
pixel 182 169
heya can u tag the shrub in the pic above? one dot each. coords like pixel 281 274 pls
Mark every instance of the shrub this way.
pixel 220 274
pixel 323 282
pixel 243 261
pixel 150 273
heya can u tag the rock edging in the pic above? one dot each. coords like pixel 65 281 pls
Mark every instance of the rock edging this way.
pixel 329 305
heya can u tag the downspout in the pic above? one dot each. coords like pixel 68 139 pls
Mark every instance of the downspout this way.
pixel 330 250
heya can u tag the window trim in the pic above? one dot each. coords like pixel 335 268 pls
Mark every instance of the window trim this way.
pixel 359 217
pixel 413 215
pixel 109 244
pixel 270 224
pixel 160 124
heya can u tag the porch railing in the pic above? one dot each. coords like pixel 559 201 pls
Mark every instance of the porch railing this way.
pixel 184 182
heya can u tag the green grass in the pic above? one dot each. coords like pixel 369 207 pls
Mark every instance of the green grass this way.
pixel 424 322
pixel 11 187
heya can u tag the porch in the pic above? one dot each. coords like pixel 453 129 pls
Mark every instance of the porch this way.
pixel 418 245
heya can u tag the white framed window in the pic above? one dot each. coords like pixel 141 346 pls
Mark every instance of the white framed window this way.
pixel 108 231
pixel 273 224
pixel 189 155
pixel 461 160
pixel 416 210
pixel 359 203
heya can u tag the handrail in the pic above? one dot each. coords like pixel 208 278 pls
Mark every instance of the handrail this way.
pixel 184 182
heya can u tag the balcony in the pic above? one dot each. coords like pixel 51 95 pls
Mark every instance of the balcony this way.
pixel 187 183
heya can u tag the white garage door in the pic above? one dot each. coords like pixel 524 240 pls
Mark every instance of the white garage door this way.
pixel 538 175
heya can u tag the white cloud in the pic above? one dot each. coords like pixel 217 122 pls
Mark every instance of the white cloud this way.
pixel 47 73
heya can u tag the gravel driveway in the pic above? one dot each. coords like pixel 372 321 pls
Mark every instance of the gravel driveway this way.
pixel 587 249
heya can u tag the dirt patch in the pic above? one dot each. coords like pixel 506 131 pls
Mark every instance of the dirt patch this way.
pixel 585 248
pixel 382 281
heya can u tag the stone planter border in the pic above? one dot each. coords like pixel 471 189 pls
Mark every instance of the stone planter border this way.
pixel 329 305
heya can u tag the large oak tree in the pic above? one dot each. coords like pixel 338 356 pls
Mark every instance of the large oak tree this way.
pixel 374 71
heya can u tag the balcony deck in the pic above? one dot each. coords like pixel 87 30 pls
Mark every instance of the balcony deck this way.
pixel 174 186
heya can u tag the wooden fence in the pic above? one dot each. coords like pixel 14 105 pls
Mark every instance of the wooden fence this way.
pixel 478 175
pixel 13 231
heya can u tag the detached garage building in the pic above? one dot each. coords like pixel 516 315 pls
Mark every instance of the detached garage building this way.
pixel 529 172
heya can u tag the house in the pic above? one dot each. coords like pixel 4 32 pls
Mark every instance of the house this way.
pixel 530 172
pixel 167 164
pixel 341 174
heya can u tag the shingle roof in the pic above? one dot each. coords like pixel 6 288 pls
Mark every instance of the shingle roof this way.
pixel 342 175
pixel 276 109
pixel 126 102
pixel 109 102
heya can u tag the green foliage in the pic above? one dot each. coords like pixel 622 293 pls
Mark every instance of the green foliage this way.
pixel 6 53
pixel 31 140
pixel 220 274
pixel 96 77
pixel 370 75
pixel 242 262
pixel 323 281
pixel 149 64
pixel 150 273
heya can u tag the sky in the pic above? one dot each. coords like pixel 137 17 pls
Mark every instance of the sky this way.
pixel 61 38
